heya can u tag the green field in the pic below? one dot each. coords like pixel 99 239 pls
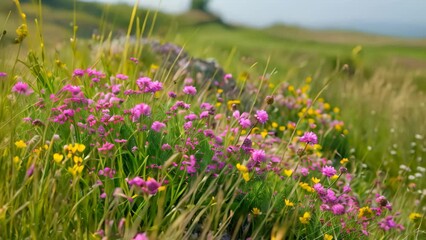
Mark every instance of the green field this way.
pixel 373 87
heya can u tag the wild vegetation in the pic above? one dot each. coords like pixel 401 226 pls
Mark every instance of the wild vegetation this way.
pixel 123 128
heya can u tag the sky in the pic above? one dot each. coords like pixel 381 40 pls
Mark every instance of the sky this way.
pixel 406 18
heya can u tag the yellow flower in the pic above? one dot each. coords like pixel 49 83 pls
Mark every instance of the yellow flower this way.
pixel 288 172
pixel 308 79
pixel 21 32
pixel 220 90
pixel 415 216
pixel 274 124
pixel 343 161
pixel 327 106
pixel 264 133
pixel 232 102
pixel 365 212
pixel 246 176
pixel 328 237
pixel 20 144
pixel 334 177
pixel 77 160
pixel 218 104
pixel 57 157
pixel 256 211
pixel 306 187
pixel 305 218
pixel 162 188
pixel 242 168
pixel 336 110
pixel 76 169
pixel 16 159
pixel 80 147
pixel 288 203
pixel 282 128
pixel 315 180
pixel 291 88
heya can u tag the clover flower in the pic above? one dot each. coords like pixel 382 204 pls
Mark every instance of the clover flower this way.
pixel 328 171
pixel 22 88
pixel 309 138
pixel 190 90
pixel 262 116
pixel 258 155
pixel 157 126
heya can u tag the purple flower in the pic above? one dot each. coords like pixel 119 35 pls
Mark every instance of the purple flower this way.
pixel 172 94
pixel 310 138
pixel 204 114
pixel 187 125
pixel 262 116
pixel 227 76
pixel 190 165
pixel 304 171
pixel 30 170
pixel 190 117
pixel 165 147
pixel 78 72
pixel 157 126
pixel 328 171
pixel 154 87
pixel 106 147
pixel 258 155
pixel 152 186
pixel 136 181
pixel 190 90
pixel 245 122
pixel 320 189
pixel 22 88
pixel 140 109
pixel 3 74
pixel 122 76
pixel 338 209
pixel 141 236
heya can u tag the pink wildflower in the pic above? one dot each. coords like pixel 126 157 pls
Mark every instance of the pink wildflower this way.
pixel 157 126
pixel 258 155
pixel 310 138
pixel 122 76
pixel 190 90
pixel 262 116
pixel 22 88
pixel 140 109
pixel 141 236
pixel 328 171
pixel 3 74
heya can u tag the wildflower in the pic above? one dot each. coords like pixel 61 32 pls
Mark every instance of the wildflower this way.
pixel 152 186
pixel 107 172
pixel 288 203
pixel 3 74
pixel 20 144
pixel 305 218
pixel 242 168
pixel 106 147
pixel 415 216
pixel 309 138
pixel 57 157
pixel 190 165
pixel 288 172
pixel 328 237
pixel 315 180
pixel 227 76
pixel 190 90
pixel 338 209
pixel 256 211
pixel 306 187
pixel 141 236
pixel 365 212
pixel 245 122
pixel 122 76
pixel 328 171
pixel 262 116
pixel 22 88
pixel 139 110
pixel 16 159
pixel 78 72
pixel 157 126
pixel 172 94
pixel 30 170
pixel 258 155
pixel 21 32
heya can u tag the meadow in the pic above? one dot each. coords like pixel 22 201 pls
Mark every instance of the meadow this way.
pixel 122 123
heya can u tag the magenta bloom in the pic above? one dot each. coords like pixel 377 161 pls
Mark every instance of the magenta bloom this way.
pixel 78 72
pixel 190 90
pixel 139 110
pixel 157 126
pixel 328 171
pixel 310 138
pixel 141 236
pixel 258 155
pixel 262 116
pixel 245 122
pixel 138 181
pixel 22 88
pixel 106 147
pixel 338 209
pixel 190 165
pixel 3 74
pixel 152 186
pixel 122 76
